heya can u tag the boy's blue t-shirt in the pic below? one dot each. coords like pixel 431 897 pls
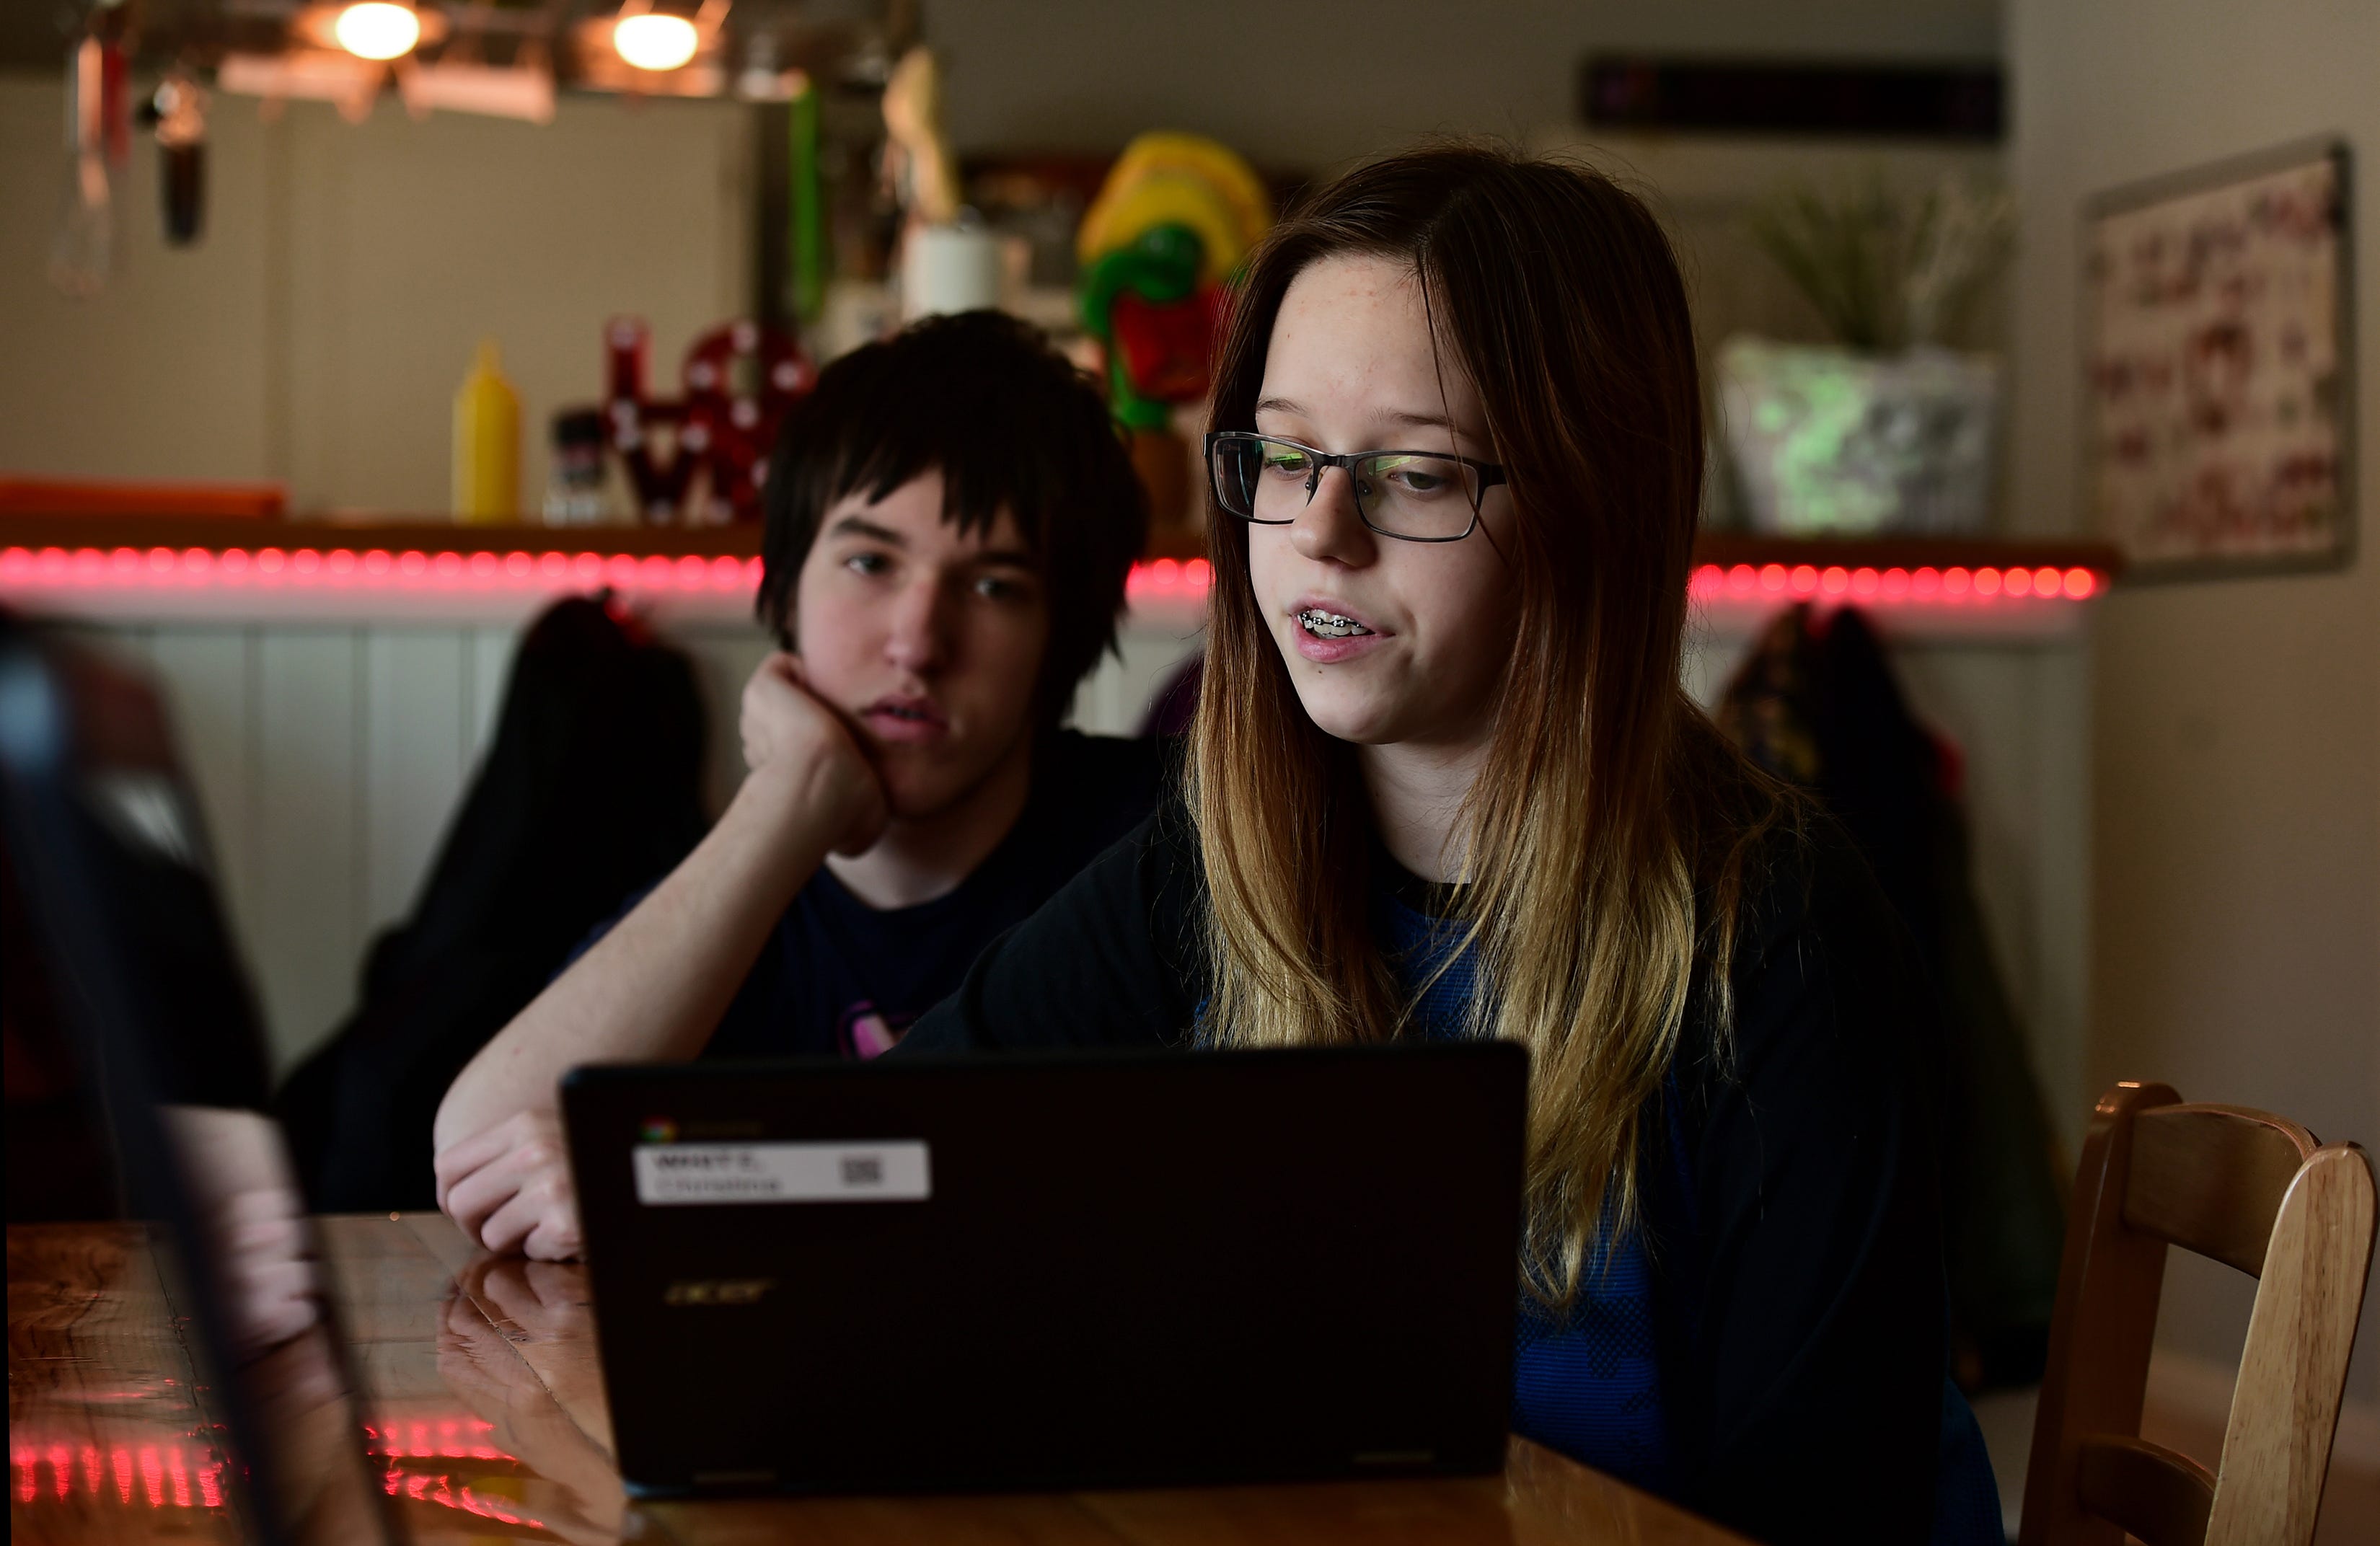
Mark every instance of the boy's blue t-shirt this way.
pixel 841 979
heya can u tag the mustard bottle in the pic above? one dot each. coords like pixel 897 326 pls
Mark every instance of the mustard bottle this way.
pixel 487 442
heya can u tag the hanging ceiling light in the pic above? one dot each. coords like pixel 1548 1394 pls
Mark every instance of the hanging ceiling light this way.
pixel 652 39
pixel 377 30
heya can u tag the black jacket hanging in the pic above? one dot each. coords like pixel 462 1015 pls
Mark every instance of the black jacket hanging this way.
pixel 590 788
pixel 1816 702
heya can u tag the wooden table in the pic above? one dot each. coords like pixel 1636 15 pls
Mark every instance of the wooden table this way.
pixel 485 1407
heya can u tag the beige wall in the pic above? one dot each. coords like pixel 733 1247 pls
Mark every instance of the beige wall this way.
pixel 318 332
pixel 162 376
pixel 2237 785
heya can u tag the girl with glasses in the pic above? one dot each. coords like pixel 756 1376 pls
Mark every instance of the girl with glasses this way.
pixel 1444 782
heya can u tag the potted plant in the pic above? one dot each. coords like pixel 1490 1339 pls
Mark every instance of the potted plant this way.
pixel 1887 429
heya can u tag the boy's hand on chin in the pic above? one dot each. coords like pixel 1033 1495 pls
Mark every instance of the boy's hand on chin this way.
pixel 510 1189
pixel 796 741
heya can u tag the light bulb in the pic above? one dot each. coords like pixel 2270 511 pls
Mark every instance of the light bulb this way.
pixel 654 40
pixel 377 29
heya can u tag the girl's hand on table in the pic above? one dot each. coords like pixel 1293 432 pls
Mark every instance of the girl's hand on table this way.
pixel 509 1187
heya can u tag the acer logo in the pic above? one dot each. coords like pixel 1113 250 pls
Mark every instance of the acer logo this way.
pixel 719 1291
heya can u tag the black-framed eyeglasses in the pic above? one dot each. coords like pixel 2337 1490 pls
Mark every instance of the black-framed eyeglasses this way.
pixel 1415 496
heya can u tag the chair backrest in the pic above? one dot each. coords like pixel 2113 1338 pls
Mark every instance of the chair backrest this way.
pixel 2245 1188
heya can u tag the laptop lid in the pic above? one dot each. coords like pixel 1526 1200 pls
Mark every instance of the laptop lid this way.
pixel 110 854
pixel 1054 1271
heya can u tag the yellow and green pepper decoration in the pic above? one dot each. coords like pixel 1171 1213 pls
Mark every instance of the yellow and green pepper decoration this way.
pixel 1159 247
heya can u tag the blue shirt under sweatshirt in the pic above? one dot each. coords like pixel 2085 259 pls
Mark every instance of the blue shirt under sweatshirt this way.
pixel 1586 1384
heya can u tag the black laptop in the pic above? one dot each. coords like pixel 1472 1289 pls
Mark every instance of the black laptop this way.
pixel 1054 1271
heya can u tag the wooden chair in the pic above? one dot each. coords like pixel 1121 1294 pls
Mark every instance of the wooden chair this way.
pixel 2242 1187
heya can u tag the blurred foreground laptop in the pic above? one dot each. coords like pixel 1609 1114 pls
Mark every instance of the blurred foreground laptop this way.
pixel 104 837
pixel 1054 1271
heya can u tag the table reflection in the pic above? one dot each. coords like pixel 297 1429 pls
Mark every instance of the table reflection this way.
pixel 570 1483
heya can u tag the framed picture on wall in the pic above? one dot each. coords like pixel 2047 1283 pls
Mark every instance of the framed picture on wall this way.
pixel 2219 430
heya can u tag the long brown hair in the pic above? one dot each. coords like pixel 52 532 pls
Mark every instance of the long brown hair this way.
pixel 1606 836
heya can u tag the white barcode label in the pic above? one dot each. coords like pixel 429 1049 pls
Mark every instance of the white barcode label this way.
pixel 677 1174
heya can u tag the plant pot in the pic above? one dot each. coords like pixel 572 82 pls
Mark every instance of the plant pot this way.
pixel 1829 441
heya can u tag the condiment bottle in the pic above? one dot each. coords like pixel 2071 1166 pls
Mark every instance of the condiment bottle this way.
pixel 574 490
pixel 487 442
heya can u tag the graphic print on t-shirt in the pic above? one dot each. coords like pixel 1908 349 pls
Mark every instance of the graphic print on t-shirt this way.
pixel 862 1032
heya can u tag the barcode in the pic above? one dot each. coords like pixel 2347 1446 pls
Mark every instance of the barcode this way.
pixel 862 1170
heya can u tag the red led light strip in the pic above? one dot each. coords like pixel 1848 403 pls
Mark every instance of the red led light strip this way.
pixel 1162 577
pixel 1925 585
pixel 378 568
pixel 372 569
pixel 411 570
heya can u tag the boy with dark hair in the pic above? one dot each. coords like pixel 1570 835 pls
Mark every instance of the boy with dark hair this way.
pixel 949 529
